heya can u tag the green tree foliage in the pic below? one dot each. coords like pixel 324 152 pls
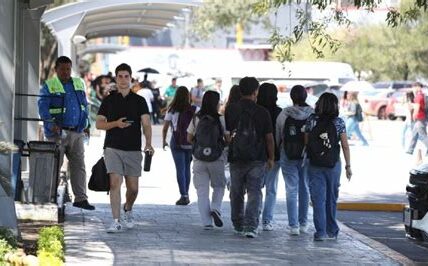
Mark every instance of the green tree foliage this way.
pixel 222 14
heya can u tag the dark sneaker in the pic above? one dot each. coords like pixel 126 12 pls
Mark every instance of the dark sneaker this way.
pixel 217 218
pixel 84 204
pixel 238 231
pixel 251 233
pixel 183 201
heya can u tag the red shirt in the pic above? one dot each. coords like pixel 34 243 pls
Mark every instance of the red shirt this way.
pixel 420 113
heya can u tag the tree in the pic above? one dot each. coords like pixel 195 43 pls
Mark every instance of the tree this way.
pixel 217 15
pixel 222 15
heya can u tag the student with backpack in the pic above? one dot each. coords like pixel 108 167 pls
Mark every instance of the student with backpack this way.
pixel 207 134
pixel 354 115
pixel 290 136
pixel 324 133
pixel 267 98
pixel 250 152
pixel 178 117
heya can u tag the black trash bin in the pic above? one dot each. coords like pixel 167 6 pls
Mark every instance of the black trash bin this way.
pixel 417 194
pixel 44 171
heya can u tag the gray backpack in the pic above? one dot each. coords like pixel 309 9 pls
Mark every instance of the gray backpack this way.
pixel 208 144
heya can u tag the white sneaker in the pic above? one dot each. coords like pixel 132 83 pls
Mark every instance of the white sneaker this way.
pixel 294 231
pixel 267 227
pixel 115 227
pixel 128 219
pixel 304 228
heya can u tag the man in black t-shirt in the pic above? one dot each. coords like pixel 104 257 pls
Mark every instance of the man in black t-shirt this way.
pixel 121 114
pixel 247 173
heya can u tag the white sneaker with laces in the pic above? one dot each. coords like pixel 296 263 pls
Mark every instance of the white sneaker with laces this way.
pixel 267 227
pixel 294 231
pixel 128 219
pixel 115 227
pixel 304 229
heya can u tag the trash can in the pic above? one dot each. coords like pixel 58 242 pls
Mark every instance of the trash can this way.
pixel 43 176
pixel 415 215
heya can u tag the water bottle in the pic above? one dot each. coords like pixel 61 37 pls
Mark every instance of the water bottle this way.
pixel 147 160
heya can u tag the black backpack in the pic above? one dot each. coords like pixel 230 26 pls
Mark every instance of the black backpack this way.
pixel 323 144
pixel 245 146
pixel 293 138
pixel 99 180
pixel 208 145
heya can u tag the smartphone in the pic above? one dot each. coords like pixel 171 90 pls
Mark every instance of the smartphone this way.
pixel 129 121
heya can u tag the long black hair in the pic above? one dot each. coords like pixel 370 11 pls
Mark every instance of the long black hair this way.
pixel 210 104
pixel 327 106
pixel 234 95
pixel 267 97
pixel 181 101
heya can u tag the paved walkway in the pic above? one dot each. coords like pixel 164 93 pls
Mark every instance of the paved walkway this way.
pixel 169 234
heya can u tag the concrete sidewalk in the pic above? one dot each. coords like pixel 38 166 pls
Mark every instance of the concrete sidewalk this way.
pixel 169 234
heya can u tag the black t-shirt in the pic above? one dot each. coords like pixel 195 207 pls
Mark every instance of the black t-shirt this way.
pixel 132 106
pixel 262 119
pixel 274 116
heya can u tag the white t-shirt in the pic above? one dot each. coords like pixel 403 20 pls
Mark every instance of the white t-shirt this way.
pixel 173 118
pixel 147 94
pixel 192 126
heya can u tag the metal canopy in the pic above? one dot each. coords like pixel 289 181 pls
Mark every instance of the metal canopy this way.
pixel 99 18
pixel 103 18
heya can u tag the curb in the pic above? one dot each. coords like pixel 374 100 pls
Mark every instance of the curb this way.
pixel 367 206
pixel 385 250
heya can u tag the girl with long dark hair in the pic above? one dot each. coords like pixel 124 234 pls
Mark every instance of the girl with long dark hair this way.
pixel 178 117
pixel 208 170
pixel 324 181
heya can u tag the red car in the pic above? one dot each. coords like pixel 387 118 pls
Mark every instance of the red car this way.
pixel 374 102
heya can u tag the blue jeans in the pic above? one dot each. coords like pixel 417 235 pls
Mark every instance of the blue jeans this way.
pixel 324 186
pixel 407 126
pixel 419 131
pixel 296 187
pixel 270 181
pixel 352 126
pixel 182 159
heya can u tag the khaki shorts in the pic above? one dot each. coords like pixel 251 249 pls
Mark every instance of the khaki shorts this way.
pixel 125 163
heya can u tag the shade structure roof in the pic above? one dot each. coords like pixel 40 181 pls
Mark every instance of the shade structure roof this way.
pixel 103 18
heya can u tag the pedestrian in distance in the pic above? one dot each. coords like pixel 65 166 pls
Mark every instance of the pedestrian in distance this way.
pixel 354 116
pixel 419 117
pixel 64 110
pixel 178 117
pixel 251 152
pixel 170 91
pixel 324 133
pixel 267 98
pixel 207 134
pixel 290 136
pixel 121 115
pixel 409 99
pixel 196 94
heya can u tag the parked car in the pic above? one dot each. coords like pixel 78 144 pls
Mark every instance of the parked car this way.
pixel 393 84
pixel 374 102
pixel 397 107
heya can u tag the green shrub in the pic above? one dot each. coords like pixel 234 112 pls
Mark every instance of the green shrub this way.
pixel 51 244
pixel 47 258
pixel 7 243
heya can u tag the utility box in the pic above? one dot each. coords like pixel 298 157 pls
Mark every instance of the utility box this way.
pixel 44 171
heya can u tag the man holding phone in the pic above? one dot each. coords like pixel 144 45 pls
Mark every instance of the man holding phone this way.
pixel 122 114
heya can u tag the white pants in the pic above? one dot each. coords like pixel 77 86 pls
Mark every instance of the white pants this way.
pixel 204 175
